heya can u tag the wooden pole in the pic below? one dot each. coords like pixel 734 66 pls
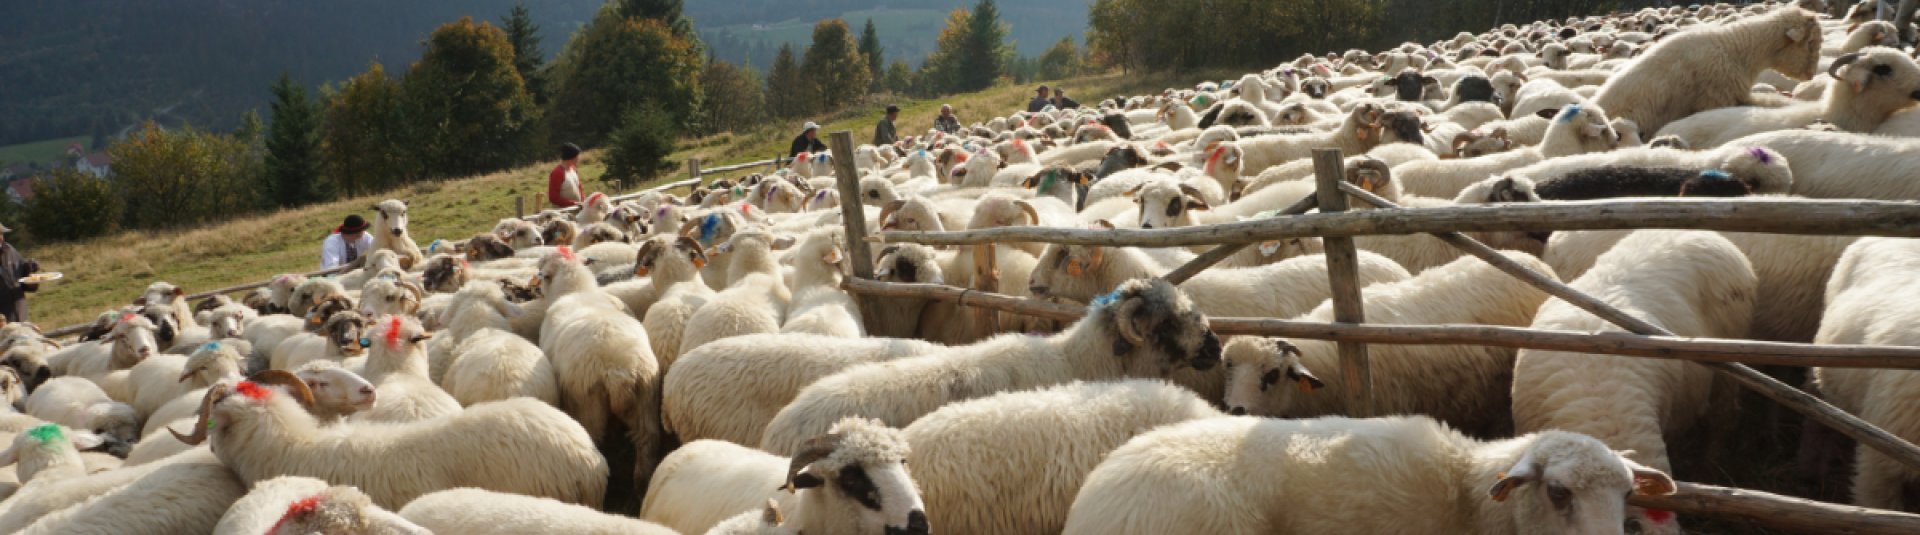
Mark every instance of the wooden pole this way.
pixel 693 169
pixel 1611 343
pixel 1781 512
pixel 1222 252
pixel 854 215
pixel 519 207
pixel 1343 278
pixel 1778 216
pixel 1806 404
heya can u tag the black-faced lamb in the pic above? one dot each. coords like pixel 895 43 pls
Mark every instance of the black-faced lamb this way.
pixel 852 479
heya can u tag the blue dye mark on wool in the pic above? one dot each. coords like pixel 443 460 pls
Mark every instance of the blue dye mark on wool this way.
pixel 1104 299
pixel 210 346
pixel 707 227
pixel 1567 114
pixel 1716 174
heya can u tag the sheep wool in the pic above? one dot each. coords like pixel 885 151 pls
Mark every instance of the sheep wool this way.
pixel 1870 300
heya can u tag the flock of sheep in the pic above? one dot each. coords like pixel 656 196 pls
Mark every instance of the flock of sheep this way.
pixel 695 363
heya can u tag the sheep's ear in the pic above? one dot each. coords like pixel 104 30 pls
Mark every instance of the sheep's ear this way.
pixel 1133 191
pixel 782 242
pixel 1797 33
pixel 1303 378
pixel 1649 481
pixel 84 441
pixel 1521 474
pixel 806 480
pixel 140 301
pixel 832 256
pixel 422 337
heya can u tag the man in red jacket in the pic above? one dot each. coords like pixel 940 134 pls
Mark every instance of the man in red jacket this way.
pixel 563 184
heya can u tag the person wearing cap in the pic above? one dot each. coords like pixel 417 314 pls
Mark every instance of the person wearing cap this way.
pixel 809 141
pixel 1039 101
pixel 947 122
pixel 1061 101
pixel 345 244
pixel 563 184
pixel 883 133
pixel 13 266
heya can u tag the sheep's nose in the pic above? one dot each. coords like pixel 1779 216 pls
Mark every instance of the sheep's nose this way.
pixel 399 231
pixel 1146 225
pixel 146 352
pixel 1037 289
pixel 916 525
pixel 366 390
pixel 1237 411
pixel 1915 95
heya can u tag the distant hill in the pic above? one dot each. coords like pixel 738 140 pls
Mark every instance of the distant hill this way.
pixel 83 67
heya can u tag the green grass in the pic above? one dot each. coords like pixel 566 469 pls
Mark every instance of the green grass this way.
pixel 39 151
pixel 109 271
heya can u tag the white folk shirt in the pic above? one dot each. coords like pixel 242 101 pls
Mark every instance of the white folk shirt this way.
pixel 334 252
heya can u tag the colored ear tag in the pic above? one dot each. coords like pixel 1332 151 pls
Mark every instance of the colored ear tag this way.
pixel 366 342
pixel 1267 248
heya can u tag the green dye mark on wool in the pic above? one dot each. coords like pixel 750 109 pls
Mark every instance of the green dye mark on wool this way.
pixel 47 433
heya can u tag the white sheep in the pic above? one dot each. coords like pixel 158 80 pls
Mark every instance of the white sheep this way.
pixel 673 264
pixel 1879 81
pixel 80 404
pixel 1012 462
pixel 184 497
pixel 1764 171
pixel 481 512
pixel 382 297
pixel 294 505
pixel 852 479
pixel 51 450
pixel 601 357
pixel 1711 67
pixel 1338 475
pixel 1465 386
pixel 488 362
pixel 704 399
pixel 756 299
pixel 1144 328
pixel 1691 283
pixel 1575 130
pixel 397 366
pixel 337 394
pixel 342 336
pixel 517 445
pixel 1358 133
pixel 1843 165
pixel 1291 287
pixel 819 305
pixel 1870 300
pixel 390 232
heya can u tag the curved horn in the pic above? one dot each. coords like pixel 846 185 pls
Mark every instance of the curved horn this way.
pixel 1028 208
pixel 1834 69
pixel 815 449
pixel 214 395
pixel 295 386
pixel 891 207
pixel 1123 323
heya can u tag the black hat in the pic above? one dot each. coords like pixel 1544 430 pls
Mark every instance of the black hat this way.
pixel 353 224
pixel 893 109
pixel 569 151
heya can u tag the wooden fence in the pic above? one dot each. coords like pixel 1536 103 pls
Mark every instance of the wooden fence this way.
pixel 1335 226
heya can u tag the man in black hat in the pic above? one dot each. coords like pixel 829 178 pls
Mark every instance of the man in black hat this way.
pixel 1039 101
pixel 13 266
pixel 347 242
pixel 883 133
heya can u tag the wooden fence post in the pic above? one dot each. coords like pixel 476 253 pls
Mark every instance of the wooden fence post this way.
pixel 519 207
pixel 1343 276
pixel 854 215
pixel 693 169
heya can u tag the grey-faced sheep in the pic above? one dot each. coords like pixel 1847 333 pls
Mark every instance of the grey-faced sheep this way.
pixel 1464 386
pixel 1870 300
pixel 1383 475
pixel 852 479
pixel 339 338
pixel 517 445
pixel 1012 462
pixel 1691 283
pixel 1712 67
pixel 1144 328
pixel 80 404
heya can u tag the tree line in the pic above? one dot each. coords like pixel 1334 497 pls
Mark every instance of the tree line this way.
pixel 480 99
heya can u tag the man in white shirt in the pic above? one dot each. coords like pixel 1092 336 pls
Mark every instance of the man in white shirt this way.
pixel 345 245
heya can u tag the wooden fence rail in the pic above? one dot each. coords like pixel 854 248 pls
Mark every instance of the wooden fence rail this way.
pixel 1776 216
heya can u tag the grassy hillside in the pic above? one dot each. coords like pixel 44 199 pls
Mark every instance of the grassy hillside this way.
pixel 40 151
pixel 109 271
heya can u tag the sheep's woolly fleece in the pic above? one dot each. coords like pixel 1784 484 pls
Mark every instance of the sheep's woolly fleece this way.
pixel 865 442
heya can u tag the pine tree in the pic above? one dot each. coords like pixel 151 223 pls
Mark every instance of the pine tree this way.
pixel 833 67
pixel 870 47
pixel 293 146
pixel 985 53
pixel 786 92
pixel 528 59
